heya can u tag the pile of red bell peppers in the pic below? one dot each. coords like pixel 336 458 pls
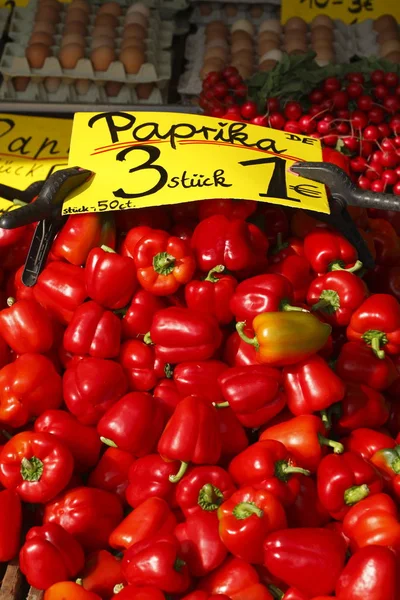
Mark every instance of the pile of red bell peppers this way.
pixel 201 402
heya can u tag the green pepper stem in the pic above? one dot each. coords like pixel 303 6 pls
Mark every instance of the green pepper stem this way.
pixel 118 588
pixel 376 339
pixel 180 473
pixel 338 267
pixel 221 405
pixel 326 419
pixel 107 249
pixel 396 466
pixel 283 470
pixel 276 592
pixel 179 564
pixel 147 339
pixel 244 510
pixel 164 263
pixel 168 371
pixel 252 341
pixel 210 275
pixel 338 448
pixel 355 494
pixel 375 345
pixel 210 497
pixel 11 301
pixel 329 302
pixel 31 469
pixel 108 442
pixel 285 306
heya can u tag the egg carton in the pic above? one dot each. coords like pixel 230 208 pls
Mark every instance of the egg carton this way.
pixel 243 12
pixel 276 3
pixel 13 63
pixel 32 5
pixel 366 39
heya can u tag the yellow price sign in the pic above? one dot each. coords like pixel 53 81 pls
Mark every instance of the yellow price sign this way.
pixel 31 148
pixel 151 159
pixel 348 11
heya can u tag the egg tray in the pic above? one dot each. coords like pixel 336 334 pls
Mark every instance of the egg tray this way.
pixel 243 12
pixel 276 3
pixel 160 31
pixel 36 92
pixel 366 39
pixel 13 64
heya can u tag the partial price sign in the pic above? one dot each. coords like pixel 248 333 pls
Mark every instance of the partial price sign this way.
pixel 348 11
pixel 150 159
pixel 31 149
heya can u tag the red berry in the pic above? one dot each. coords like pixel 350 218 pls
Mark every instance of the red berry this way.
pixel 218 111
pixel 292 127
pixel 371 133
pixel 366 148
pixel 396 189
pixel 387 144
pixel 229 72
pixel 380 91
pixel 307 124
pixel 260 120
pixel 249 110
pixel 391 103
pixel 374 171
pixel 378 186
pixel 331 85
pixel 389 159
pixel 384 129
pixel 391 79
pixel 323 127
pixel 315 110
pixel 359 119
pixel 233 114
pixel 355 77
pixel 394 124
pixel 365 103
pixel 358 164
pixel 241 90
pixel 340 99
pixel 234 81
pixel 389 177
pixel 316 96
pixel 397 141
pixel 354 90
pixel 213 77
pixel 351 143
pixel 276 120
pixel 293 111
pixel 343 113
pixel 330 140
pixel 343 128
pixel 326 104
pixel 220 90
pixel 364 183
pixel 273 104
pixel 377 77
pixel 229 100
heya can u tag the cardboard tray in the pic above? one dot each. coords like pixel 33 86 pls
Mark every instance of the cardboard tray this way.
pixel 15 587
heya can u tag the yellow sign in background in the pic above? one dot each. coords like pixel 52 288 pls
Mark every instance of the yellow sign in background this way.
pixel 348 11
pixel 31 148
pixel 149 159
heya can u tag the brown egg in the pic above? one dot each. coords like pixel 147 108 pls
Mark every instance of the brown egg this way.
pixel 388 34
pixel 295 35
pixel 324 57
pixel 81 4
pixel 245 72
pixel 82 86
pixel 76 14
pixel 52 84
pixel 243 58
pixel 139 7
pixel 394 57
pixel 75 27
pixel 212 36
pixel 36 54
pixel 296 50
pixel 134 30
pixel 111 8
pixel 321 45
pixel 270 36
pixel 221 53
pixel 267 45
pixel 322 33
pixel 144 90
pixel 296 23
pixel 103 31
pixel 20 83
pixel 133 43
pixel 113 88
pixel 267 65
pixel 256 11
pixel 211 65
pixel 102 58
pixel 241 35
pixel 106 20
pixel 389 47
pixel 205 8
pixel 100 42
pixel 242 45
pixel 384 22
pixel 322 20
pixel 47 13
pixel 270 25
pixel 231 10
pixel 132 59
pixel 52 3
pixel 217 26
pixel 69 55
pixel 295 47
pixel 40 37
pixel 72 38
pixel 45 27
pixel 136 17
pixel 217 44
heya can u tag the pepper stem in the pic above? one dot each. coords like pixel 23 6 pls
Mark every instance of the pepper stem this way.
pixel 329 302
pixel 287 307
pixel 147 339
pixel 337 266
pixel 210 497
pixel 210 275
pixel 107 249
pixel 221 405
pixel 276 592
pixel 355 494
pixel 180 473
pixel 118 588
pixel 244 510
pixel 164 263
pixel 31 469
pixel 326 419
pixel 396 466
pixel 376 339
pixel 283 470
pixel 108 442
pixel 168 371
pixel 179 564
pixel 280 244
pixel 338 448
pixel 11 301
pixel 252 341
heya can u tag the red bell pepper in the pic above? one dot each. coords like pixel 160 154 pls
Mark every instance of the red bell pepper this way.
pixel 148 477
pixel 12 256
pixel 307 509
pixel 152 517
pixel 168 395
pixel 231 243
pixel 132 592
pixel 102 572
pixel 16 289
pixel 371 573
pixel 49 555
pixel 26 327
pixel 204 489
pixel 191 435
pixel 246 518
pixel 199 595
pixel 157 561
pixel 89 514
pixel 345 480
pixel 260 294
pixel 68 590
pixel 237 579
pixel 10 524
pixel 330 251
pixel 110 278
pixel 334 157
pixel 238 353
pixel 310 560
pixel 367 441
pixel 140 314
pixel 356 363
pixel 139 363
pixel 81 440
pixel 311 386
pixel 387 461
pixel 386 240
pixel 111 472
pixel 233 435
pixel 36 465
pixel 293 246
pixel 285 338
pixel 212 295
pixel 267 465
pixel 93 331
pixel 253 393
pixel 297 270
pixel 91 386
pixel 80 234
pixel 200 544
pixel 181 334
pixel 134 234
pixel 377 323
pixel 163 263
pixel 200 378
pixel 230 208
pixel 133 424
pixel 304 437
pixel 60 289
pixel 28 386
pixel 373 522
pixel 337 295
pixel 362 407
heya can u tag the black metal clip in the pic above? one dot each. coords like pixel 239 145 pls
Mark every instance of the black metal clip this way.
pixel 46 209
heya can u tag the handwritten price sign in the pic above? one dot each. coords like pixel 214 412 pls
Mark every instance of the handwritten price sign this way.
pixel 348 11
pixel 149 159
